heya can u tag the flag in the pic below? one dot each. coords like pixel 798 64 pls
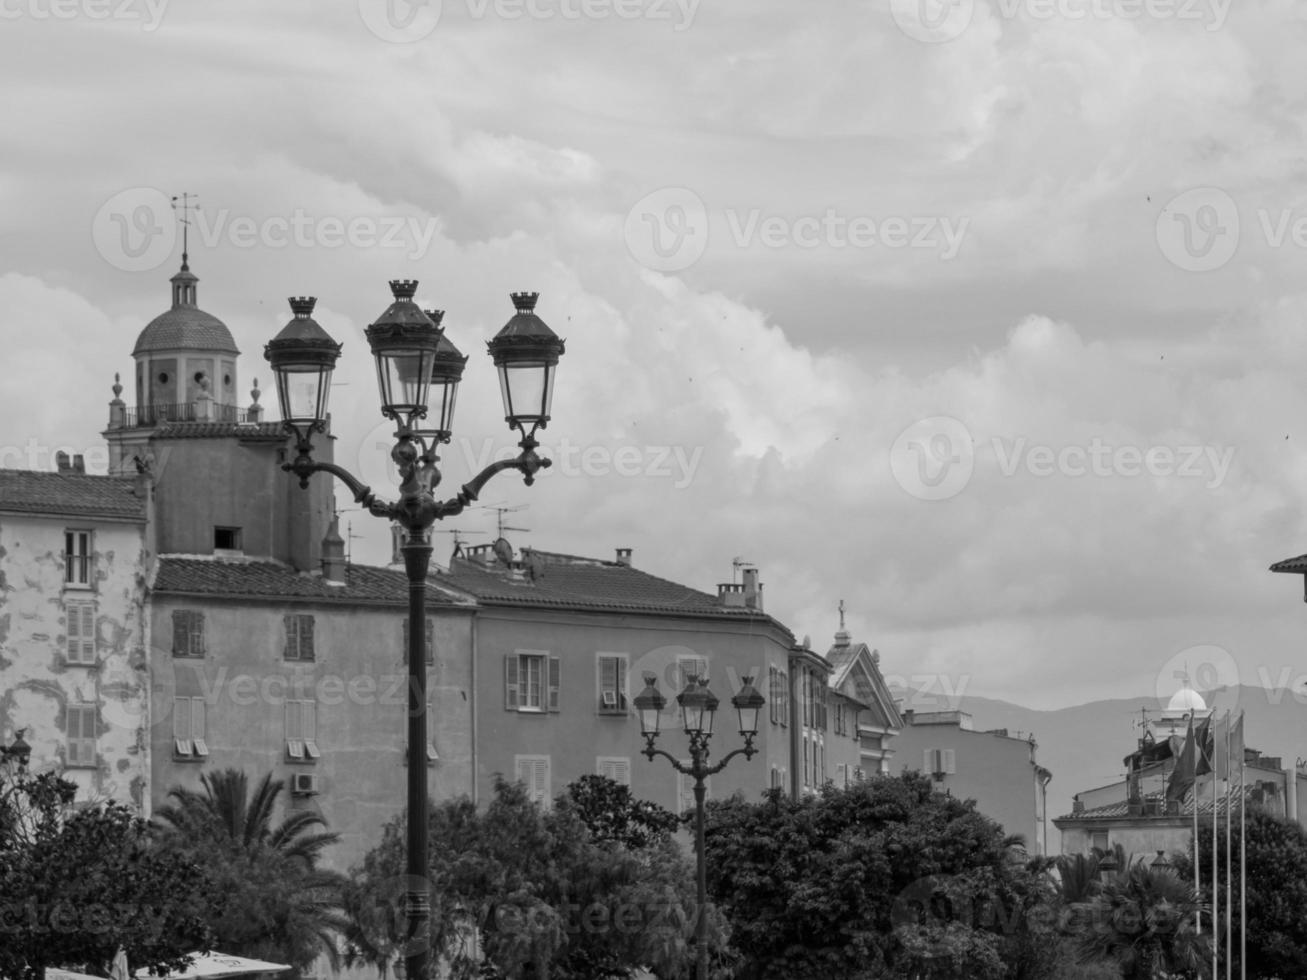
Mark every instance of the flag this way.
pixel 1221 748
pixel 1203 743
pixel 1236 745
pixel 1182 776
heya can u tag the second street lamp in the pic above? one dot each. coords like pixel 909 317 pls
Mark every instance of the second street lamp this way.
pixel 698 708
pixel 418 373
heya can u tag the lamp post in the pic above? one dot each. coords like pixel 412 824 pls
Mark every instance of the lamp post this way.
pixel 1107 867
pixel 418 372
pixel 19 751
pixel 698 706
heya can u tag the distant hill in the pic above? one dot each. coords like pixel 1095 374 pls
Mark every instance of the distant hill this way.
pixel 1084 746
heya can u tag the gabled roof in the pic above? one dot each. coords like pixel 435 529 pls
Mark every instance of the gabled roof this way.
pixel 65 495
pixel 550 580
pixel 245 579
pixel 1296 566
pixel 850 660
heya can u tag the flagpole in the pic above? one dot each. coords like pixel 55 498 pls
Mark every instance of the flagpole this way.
pixel 1243 878
pixel 1229 868
pixel 1216 893
pixel 1193 797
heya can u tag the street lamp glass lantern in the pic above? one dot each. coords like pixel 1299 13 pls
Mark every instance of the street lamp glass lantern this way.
pixel 404 342
pixel 650 703
pixel 698 706
pixel 748 703
pixel 20 751
pixel 446 372
pixel 302 356
pixel 526 352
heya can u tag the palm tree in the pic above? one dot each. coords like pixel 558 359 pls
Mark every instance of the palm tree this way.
pixel 1145 921
pixel 271 899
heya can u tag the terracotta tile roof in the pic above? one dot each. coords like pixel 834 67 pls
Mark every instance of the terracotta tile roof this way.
pixel 543 578
pixel 270 431
pixel 70 495
pixel 1121 810
pixel 272 580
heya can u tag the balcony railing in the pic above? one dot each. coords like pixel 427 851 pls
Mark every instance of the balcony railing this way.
pixel 150 415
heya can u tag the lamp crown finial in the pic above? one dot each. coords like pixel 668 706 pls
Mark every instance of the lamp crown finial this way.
pixel 302 306
pixel 525 302
pixel 403 289
pixel 436 315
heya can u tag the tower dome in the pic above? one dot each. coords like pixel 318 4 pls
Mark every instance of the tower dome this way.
pixel 1186 699
pixel 182 354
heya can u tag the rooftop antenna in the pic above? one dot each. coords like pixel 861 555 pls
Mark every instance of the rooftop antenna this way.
pixel 736 564
pixel 459 540
pixel 185 208
pixel 349 533
pixel 841 615
pixel 499 518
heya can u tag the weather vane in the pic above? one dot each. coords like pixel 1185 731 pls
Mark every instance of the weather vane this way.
pixel 186 206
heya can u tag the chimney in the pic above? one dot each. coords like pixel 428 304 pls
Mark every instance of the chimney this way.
pixel 730 594
pixel 62 462
pixel 752 589
pixel 1077 806
pixel 333 554
pixel 624 556
pixel 79 463
pixel 396 544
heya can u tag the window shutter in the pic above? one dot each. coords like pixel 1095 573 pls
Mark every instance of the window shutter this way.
pixel 948 761
pixel 306 638
pixel 621 682
pixel 88 633
pixel 510 685
pixel 928 761
pixel 288 622
pixel 181 636
pixel 607 680
pixel 542 780
pixel 555 674
pixel 197 718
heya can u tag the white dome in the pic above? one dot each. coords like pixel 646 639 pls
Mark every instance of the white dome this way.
pixel 1187 699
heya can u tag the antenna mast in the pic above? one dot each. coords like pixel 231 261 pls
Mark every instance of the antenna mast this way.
pixel 185 218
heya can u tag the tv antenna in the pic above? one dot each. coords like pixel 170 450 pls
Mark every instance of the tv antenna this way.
pixel 350 536
pixel 186 207
pixel 738 563
pixel 499 518
pixel 459 540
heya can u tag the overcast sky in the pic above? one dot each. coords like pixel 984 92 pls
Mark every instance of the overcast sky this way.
pixel 985 317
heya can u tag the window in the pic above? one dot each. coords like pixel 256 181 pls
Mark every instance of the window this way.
pixel 1099 840
pixel 81 735
pixel 613 698
pixel 188 731
pixel 939 761
pixel 687 667
pixel 81 631
pixel 531 681
pixel 299 637
pixel 431 645
pixel 187 633
pixel 532 771
pixel 616 768
pixel 779 701
pixel 685 790
pixel 775 774
pixel 77 559
pixel 226 539
pixel 302 730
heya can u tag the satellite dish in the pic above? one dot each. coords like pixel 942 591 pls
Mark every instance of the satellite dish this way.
pixel 503 550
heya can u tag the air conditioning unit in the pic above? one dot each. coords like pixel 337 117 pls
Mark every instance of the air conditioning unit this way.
pixel 609 699
pixel 305 784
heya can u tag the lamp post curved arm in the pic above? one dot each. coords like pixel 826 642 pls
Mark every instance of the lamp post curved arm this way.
pixel 698 767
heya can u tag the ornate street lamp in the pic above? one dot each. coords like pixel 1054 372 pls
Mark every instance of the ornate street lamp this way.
pixel 1160 863
pixel 418 373
pixel 698 706
pixel 1107 867
pixel 19 751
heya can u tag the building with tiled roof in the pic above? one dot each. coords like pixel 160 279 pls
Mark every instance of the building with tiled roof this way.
pixel 73 673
